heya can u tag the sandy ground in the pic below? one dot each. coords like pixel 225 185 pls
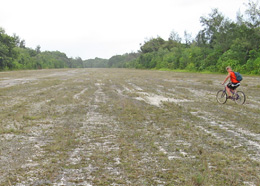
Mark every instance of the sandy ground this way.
pixel 126 127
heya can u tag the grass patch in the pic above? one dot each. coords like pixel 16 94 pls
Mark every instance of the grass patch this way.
pixel 87 127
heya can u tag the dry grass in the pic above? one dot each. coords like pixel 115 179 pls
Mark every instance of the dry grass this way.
pixel 126 127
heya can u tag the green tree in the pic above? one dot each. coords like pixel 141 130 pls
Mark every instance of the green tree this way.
pixel 253 14
pixel 38 49
pixel 212 25
pixel 7 52
pixel 152 45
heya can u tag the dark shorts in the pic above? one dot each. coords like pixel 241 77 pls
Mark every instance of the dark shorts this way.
pixel 233 86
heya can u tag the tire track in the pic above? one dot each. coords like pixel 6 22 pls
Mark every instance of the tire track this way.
pixel 97 135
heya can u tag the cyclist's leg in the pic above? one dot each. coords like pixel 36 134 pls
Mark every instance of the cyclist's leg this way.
pixel 228 88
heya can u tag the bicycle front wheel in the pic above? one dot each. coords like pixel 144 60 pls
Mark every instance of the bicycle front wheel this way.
pixel 221 96
pixel 240 97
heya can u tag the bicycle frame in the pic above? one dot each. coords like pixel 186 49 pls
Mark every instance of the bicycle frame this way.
pixel 237 96
pixel 231 90
pixel 234 92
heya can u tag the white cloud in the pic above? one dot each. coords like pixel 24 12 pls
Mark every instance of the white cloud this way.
pixel 103 28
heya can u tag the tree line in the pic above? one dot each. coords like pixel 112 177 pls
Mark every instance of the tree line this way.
pixel 14 55
pixel 221 42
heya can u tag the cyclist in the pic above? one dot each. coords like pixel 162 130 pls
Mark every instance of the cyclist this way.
pixel 234 82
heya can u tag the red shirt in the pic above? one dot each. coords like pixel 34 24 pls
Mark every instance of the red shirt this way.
pixel 233 77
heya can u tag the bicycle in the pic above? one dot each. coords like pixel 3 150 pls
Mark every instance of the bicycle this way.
pixel 238 96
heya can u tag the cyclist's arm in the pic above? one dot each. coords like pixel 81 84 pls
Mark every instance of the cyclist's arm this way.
pixel 228 76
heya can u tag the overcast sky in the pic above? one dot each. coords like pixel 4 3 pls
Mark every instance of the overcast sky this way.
pixel 103 28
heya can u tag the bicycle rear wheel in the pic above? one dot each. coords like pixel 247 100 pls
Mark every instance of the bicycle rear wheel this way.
pixel 221 96
pixel 240 98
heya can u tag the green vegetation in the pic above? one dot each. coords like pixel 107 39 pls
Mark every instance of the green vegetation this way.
pixel 15 56
pixel 220 42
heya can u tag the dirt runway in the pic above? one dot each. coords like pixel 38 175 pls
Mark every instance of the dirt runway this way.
pixel 126 127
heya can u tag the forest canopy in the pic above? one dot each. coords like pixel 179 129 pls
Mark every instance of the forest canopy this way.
pixel 221 42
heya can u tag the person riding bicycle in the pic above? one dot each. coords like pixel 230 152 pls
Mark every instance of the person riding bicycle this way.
pixel 234 82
